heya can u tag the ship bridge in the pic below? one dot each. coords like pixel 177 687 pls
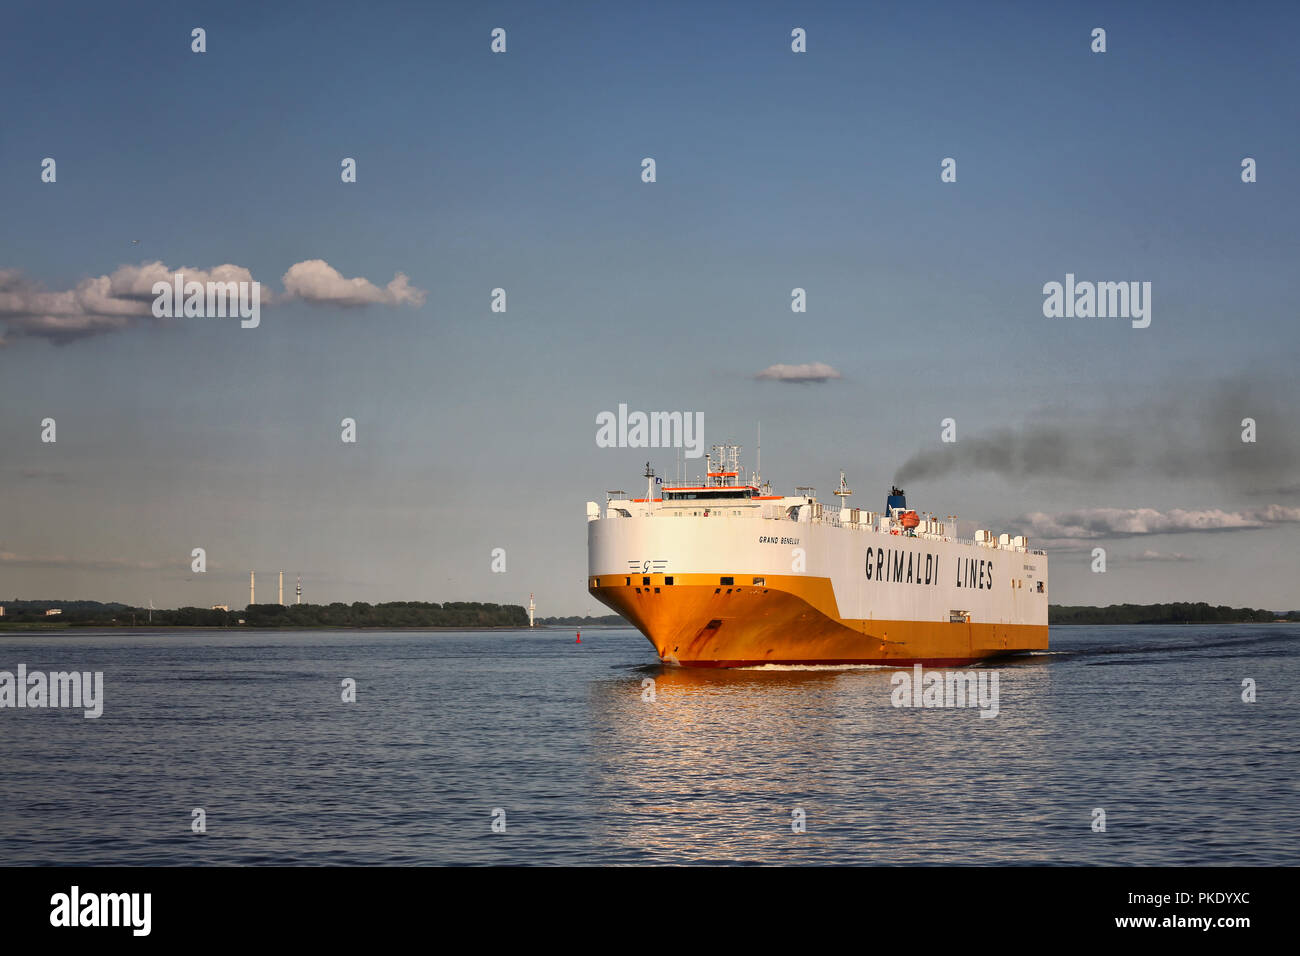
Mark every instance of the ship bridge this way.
pixel 721 490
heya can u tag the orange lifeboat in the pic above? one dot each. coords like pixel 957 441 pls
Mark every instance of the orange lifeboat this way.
pixel 909 519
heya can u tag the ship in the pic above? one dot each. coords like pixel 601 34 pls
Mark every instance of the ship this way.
pixel 721 572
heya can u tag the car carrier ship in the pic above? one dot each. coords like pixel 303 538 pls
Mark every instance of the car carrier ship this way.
pixel 723 573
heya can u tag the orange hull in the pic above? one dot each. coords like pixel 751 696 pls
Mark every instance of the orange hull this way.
pixel 790 619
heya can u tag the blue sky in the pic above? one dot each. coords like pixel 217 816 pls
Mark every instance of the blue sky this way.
pixel 522 171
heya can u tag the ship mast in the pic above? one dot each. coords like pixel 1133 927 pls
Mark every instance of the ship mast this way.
pixel 843 490
pixel 723 466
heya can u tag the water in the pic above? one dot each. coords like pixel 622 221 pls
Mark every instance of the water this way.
pixel 1145 723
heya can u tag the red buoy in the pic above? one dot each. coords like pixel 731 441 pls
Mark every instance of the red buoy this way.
pixel 579 640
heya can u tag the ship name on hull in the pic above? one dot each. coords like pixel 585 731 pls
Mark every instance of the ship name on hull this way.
pixel 897 566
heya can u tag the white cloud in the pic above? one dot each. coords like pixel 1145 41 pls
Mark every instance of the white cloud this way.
pixel 1094 523
pixel 315 280
pixel 1149 555
pixel 124 298
pixel 808 372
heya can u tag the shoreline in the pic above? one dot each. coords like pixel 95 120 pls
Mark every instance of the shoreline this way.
pixel 241 629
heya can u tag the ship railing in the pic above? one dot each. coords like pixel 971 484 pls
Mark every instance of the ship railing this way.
pixel 828 516
pixel 832 517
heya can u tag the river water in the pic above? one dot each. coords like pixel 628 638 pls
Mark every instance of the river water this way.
pixel 559 744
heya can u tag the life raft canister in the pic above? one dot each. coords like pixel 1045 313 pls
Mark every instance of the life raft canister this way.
pixel 909 519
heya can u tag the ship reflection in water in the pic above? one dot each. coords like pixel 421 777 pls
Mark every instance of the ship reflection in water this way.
pixel 720 764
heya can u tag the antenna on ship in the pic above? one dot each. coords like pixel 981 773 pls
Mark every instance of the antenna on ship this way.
pixel 843 489
pixel 758 457
pixel 723 465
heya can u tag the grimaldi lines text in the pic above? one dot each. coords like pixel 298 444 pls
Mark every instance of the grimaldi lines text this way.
pixel 721 572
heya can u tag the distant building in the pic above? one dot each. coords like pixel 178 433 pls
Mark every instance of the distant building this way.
pixel 50 612
pixel 2 610
pixel 220 607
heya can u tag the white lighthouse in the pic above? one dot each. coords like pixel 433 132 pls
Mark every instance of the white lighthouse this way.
pixel 532 610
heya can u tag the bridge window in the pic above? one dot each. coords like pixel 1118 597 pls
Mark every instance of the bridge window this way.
pixel 725 581
pixel 711 494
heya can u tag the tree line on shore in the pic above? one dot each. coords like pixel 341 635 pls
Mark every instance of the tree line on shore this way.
pixel 575 620
pixel 338 614
pixel 476 614
pixel 1177 613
